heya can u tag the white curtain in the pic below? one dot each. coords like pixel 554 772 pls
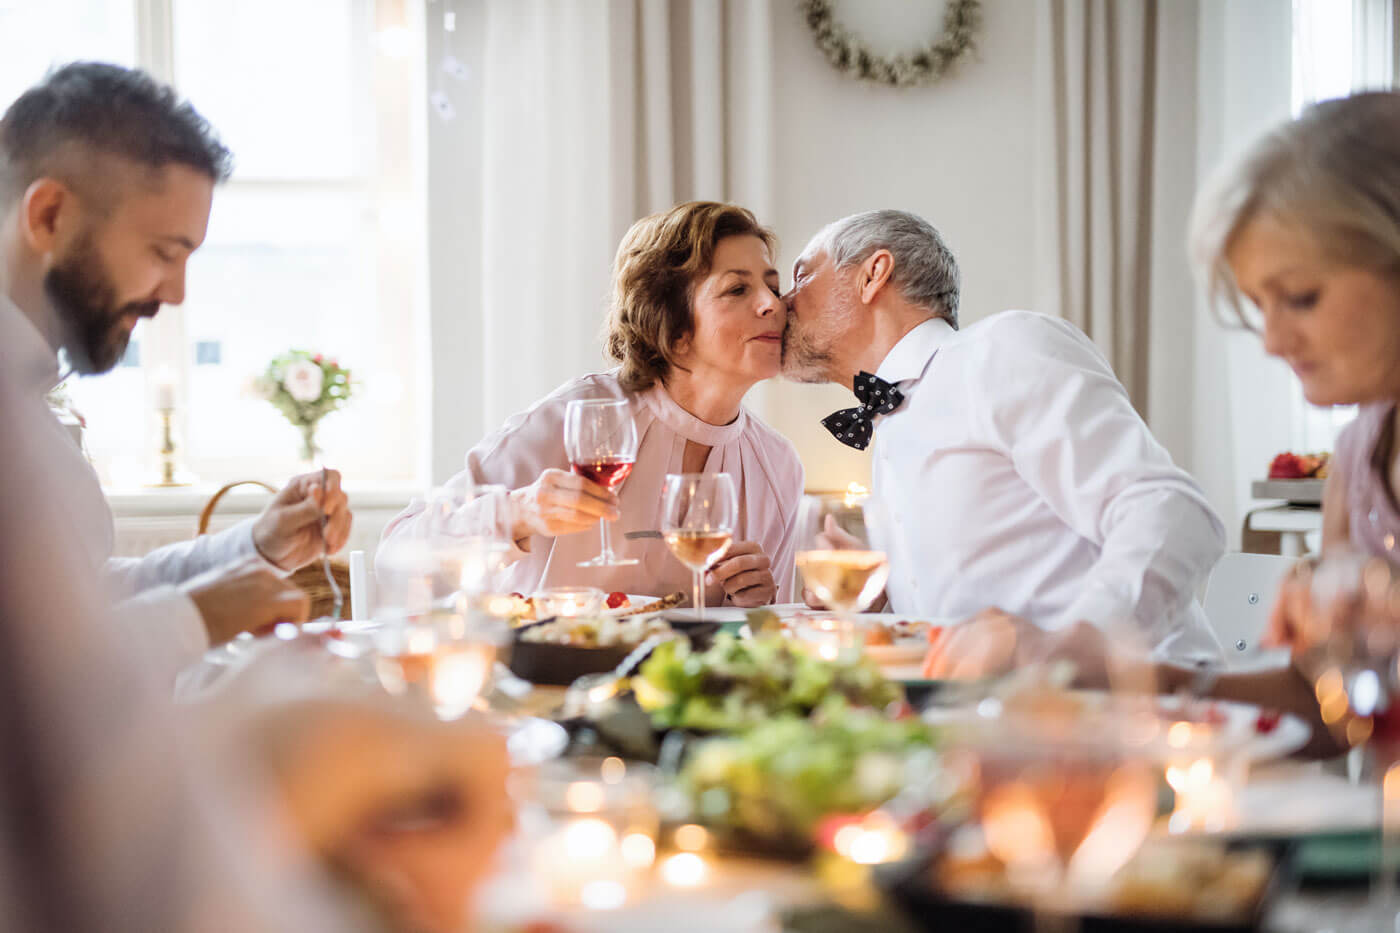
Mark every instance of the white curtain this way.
pixel 596 113
pixel 1098 144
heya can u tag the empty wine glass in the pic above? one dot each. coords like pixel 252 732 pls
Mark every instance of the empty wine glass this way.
pixel 699 511
pixel 600 439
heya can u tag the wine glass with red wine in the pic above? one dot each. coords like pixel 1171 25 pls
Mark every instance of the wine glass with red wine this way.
pixel 601 441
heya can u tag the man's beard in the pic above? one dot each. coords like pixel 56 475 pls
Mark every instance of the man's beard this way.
pixel 803 359
pixel 94 332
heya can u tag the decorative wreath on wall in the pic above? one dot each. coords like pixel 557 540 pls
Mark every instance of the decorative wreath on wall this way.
pixel 850 55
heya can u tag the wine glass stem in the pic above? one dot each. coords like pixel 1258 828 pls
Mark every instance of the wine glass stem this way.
pixel 698 593
pixel 1386 768
pixel 606 555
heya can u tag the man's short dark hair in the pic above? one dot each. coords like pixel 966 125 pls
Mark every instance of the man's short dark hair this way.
pixel 90 109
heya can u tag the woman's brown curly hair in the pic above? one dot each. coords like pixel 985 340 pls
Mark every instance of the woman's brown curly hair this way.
pixel 657 266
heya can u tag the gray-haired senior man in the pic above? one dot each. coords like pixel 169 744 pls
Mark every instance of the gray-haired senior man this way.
pixel 1018 486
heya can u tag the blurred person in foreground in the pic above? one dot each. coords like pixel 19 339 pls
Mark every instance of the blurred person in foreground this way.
pixel 1301 238
pixel 255 811
pixel 106 182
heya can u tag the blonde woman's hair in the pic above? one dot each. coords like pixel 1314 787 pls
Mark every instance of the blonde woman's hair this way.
pixel 657 266
pixel 1332 174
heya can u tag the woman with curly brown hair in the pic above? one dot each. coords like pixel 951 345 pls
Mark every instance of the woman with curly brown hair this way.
pixel 695 322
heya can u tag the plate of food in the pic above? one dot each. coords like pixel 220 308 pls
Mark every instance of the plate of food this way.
pixel 522 610
pixel 774 788
pixel 892 641
pixel 1192 886
pixel 559 651
pixel 738 683
pixel 1186 725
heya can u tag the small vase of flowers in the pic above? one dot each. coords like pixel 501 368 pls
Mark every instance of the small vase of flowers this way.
pixel 304 387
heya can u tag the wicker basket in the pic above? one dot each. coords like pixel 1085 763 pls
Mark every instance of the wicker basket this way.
pixel 311 578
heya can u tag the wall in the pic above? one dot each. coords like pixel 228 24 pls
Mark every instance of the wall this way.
pixel 958 153
pixel 1241 409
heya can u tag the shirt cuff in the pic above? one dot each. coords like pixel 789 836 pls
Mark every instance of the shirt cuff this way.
pixel 1098 605
pixel 247 547
pixel 166 628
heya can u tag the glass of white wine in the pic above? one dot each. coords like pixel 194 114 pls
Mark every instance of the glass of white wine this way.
pixel 839 564
pixel 698 518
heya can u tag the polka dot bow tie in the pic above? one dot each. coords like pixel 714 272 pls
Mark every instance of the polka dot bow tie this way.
pixel 853 426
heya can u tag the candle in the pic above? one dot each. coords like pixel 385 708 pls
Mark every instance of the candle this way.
pixel 165 389
pixel 600 830
pixel 359 588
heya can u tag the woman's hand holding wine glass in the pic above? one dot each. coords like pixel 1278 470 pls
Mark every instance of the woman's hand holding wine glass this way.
pixel 561 503
pixel 600 439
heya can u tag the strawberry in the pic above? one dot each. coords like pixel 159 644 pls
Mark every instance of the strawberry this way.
pixel 1287 466
pixel 617 600
pixel 1267 721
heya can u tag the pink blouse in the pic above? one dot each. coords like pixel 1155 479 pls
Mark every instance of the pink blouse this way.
pixel 1372 515
pixel 764 465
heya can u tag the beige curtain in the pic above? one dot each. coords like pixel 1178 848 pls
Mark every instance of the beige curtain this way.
pixel 595 113
pixel 1098 146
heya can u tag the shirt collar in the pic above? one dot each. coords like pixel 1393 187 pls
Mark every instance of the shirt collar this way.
pixel 25 349
pixel 909 357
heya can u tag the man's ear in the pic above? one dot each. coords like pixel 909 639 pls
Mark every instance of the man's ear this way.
pixel 47 212
pixel 875 273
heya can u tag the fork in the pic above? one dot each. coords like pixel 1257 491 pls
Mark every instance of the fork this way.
pixel 336 595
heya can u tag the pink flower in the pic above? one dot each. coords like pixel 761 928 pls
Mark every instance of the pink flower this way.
pixel 303 381
pixel 316 358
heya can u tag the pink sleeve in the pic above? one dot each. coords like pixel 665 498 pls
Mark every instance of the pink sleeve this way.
pixel 517 453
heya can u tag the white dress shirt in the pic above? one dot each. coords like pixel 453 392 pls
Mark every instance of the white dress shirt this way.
pixel 1016 474
pixel 145 592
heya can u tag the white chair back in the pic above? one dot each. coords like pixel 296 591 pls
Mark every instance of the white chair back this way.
pixel 1239 596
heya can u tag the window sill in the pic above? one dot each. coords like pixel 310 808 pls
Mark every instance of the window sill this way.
pixel 184 501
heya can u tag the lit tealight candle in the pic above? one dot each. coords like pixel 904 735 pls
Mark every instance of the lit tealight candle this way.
pixel 685 870
pixel 855 494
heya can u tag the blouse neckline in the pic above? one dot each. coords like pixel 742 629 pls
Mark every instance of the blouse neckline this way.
pixel 669 412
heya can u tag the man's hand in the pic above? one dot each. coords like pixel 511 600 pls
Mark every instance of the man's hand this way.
pixel 244 597
pixel 288 532
pixel 746 574
pixel 409 809
pixel 994 642
pixel 560 503
pixel 985 645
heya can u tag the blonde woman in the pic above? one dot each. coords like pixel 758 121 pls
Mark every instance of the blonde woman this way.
pixel 1301 237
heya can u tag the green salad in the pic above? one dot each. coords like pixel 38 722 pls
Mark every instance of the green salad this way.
pixel 780 779
pixel 736 684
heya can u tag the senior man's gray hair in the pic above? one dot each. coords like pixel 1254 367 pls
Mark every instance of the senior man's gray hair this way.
pixel 925 271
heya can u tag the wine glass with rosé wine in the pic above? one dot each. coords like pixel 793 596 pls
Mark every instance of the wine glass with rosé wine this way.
pixel 699 513
pixel 600 439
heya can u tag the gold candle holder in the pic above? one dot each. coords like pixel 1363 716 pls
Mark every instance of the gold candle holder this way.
pixel 167 451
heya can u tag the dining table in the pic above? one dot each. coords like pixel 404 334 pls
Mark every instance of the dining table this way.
pixel 1280 801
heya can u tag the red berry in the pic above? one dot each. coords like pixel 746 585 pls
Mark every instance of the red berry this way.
pixel 1267 722
pixel 617 600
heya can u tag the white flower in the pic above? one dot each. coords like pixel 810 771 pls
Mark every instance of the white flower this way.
pixel 302 381
pixel 259 387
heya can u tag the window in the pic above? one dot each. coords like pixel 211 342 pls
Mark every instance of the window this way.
pixel 314 244
pixel 1339 46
